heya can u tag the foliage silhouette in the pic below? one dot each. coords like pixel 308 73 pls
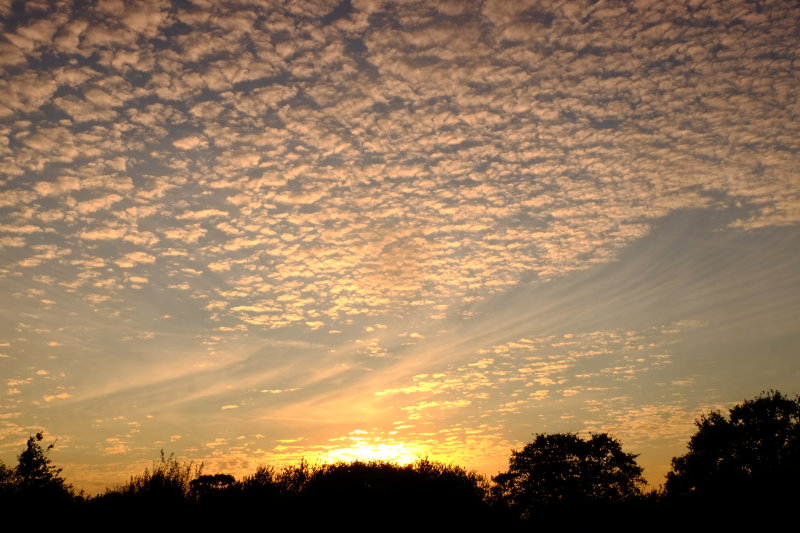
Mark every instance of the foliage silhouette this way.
pixel 751 456
pixel 364 493
pixel 35 471
pixel 357 493
pixel 8 480
pixel 749 460
pixel 263 484
pixel 35 477
pixel 211 484
pixel 561 471
pixel 36 484
pixel 168 482
pixel 263 480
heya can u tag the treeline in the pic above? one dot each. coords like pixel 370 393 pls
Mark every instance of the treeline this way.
pixel 747 462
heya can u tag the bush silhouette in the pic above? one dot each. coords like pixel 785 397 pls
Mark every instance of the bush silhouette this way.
pixel 169 482
pixel 379 492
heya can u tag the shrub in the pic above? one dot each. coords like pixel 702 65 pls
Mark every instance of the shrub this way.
pixel 168 482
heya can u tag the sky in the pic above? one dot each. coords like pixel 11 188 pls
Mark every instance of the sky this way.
pixel 251 232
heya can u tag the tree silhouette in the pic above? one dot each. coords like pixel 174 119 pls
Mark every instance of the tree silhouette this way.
pixel 7 480
pixel 35 481
pixel 214 489
pixel 753 455
pixel 561 470
pixel 35 474
pixel 361 494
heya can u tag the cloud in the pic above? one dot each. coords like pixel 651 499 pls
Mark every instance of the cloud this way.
pixel 204 213
pixel 96 204
pixel 190 143
pixel 61 185
pixel 25 229
pixel 132 259
pixel 145 16
pixel 189 234
pixel 15 198
pixel 12 242
pixel 83 111
pixel 103 233
pixel 59 396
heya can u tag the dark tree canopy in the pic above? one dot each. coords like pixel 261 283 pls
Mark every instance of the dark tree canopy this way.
pixel 365 493
pixel 35 478
pixel 7 480
pixel 753 453
pixel 358 495
pixel 35 471
pixel 564 470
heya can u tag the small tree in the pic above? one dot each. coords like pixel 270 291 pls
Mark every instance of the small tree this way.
pixel 563 470
pixel 213 487
pixel 35 475
pixel 7 479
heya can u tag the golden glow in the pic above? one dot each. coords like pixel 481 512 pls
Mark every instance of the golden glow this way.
pixel 373 449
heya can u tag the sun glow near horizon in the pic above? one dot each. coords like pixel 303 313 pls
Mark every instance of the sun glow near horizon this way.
pixel 264 232
pixel 366 448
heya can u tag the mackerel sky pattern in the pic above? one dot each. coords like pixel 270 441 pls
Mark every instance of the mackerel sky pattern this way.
pixel 306 210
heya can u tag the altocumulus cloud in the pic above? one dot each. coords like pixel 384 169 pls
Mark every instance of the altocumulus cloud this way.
pixel 317 164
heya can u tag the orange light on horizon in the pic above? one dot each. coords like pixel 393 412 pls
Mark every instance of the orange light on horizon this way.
pixel 372 449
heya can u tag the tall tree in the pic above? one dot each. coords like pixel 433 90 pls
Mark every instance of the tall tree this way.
pixel 753 454
pixel 563 470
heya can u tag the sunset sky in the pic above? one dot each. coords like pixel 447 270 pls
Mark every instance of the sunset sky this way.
pixel 251 232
